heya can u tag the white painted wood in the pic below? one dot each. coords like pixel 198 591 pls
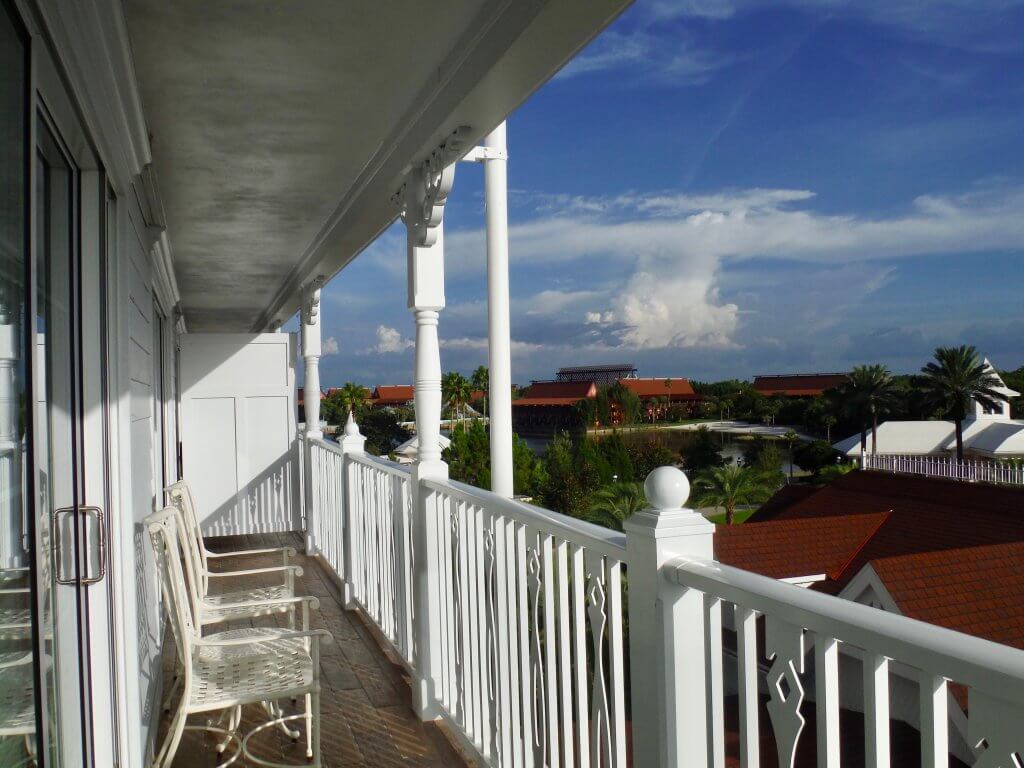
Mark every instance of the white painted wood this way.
pixel 579 643
pixel 564 650
pixel 239 434
pixel 499 343
pixel 934 721
pixel 666 722
pixel 550 663
pixel 715 682
pixel 876 711
pixel 746 626
pixel 826 669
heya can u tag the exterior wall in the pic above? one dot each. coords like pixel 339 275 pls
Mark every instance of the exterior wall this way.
pixel 134 411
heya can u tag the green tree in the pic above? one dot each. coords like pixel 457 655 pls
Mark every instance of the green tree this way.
pixel 469 460
pixel 955 378
pixel 382 431
pixel 456 391
pixel 649 455
pixel 815 456
pixel 561 487
pixel 481 380
pixel 868 393
pixel 351 397
pixel 612 505
pixel 616 454
pixel 700 451
pixel 834 472
pixel 730 486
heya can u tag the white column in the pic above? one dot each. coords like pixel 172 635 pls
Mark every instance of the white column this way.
pixel 426 299
pixel 499 344
pixel 667 625
pixel 311 356
pixel 352 443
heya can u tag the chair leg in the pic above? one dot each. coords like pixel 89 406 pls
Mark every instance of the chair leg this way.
pixel 234 720
pixel 171 740
pixel 310 720
pixel 315 706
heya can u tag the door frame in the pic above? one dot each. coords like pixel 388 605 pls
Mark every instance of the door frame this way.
pixel 51 98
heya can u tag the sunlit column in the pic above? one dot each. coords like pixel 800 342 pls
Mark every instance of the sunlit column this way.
pixel 311 356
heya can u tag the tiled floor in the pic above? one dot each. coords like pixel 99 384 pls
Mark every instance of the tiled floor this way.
pixel 365 704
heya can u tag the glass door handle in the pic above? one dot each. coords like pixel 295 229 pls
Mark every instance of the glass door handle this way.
pixel 92 528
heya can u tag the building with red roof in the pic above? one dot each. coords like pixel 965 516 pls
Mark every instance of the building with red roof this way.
pixel 549 406
pixel 392 395
pixel 942 551
pixel 798 384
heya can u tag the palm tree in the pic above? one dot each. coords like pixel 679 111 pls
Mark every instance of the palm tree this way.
pixel 731 485
pixel 612 505
pixel 869 392
pixel 353 398
pixel 456 391
pixel 790 438
pixel 829 421
pixel 481 380
pixel 954 379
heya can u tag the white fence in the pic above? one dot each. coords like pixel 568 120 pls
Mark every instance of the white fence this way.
pixel 974 471
pixel 513 623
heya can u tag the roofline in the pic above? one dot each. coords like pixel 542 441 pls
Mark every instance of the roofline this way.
pixel 502 58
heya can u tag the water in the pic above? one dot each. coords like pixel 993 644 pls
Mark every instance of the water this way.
pixel 730 445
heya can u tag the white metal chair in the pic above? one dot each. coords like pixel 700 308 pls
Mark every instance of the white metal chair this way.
pixel 229 605
pixel 17 710
pixel 228 670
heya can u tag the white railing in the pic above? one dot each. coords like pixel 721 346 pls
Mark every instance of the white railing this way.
pixel 531 647
pixel 512 621
pixel 887 648
pixel 324 502
pixel 380 529
pixel 971 470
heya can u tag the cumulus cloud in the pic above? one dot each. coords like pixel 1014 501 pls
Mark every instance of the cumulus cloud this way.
pixel 479 344
pixel 675 246
pixel 390 340
pixel 329 346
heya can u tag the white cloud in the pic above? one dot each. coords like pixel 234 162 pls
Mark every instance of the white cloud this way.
pixel 329 346
pixel 675 245
pixel 390 340
pixel 480 344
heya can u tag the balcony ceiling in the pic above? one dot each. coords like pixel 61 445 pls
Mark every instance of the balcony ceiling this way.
pixel 280 130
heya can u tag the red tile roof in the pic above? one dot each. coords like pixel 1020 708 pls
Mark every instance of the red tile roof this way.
pixel 798 384
pixel 393 394
pixel 781 500
pixel 790 548
pixel 677 389
pixel 556 393
pixel 928 514
pixel 977 590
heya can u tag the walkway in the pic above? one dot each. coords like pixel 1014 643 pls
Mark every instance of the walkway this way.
pixel 365 706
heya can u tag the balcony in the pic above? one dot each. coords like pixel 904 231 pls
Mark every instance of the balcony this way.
pixel 509 626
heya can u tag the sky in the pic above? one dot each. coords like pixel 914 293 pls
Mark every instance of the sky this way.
pixel 724 188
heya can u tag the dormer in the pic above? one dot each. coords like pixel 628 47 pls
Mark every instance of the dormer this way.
pixel 1001 412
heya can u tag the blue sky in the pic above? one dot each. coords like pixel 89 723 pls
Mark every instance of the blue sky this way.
pixel 731 187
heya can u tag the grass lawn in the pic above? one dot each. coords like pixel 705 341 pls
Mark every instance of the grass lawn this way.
pixel 740 516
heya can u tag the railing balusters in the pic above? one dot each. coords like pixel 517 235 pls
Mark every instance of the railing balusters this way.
pixel 525 606
pixel 565 650
pixel 876 710
pixel 715 678
pixel 934 721
pixel 550 640
pixel 616 655
pixel 746 626
pixel 826 675
pixel 579 637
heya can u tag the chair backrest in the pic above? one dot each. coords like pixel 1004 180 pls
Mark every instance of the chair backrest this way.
pixel 163 535
pixel 182 498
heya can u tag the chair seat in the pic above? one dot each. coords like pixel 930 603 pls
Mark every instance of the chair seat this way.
pixel 17 695
pixel 214 610
pixel 226 676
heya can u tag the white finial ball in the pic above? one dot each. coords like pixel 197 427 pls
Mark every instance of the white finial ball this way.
pixel 667 488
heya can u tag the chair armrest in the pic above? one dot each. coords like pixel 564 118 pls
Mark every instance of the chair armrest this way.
pixel 314 603
pixel 286 551
pixel 295 569
pixel 284 634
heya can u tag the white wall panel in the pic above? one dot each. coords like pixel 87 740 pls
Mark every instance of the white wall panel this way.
pixel 238 431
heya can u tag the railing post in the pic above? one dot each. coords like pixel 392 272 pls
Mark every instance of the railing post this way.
pixel 352 444
pixel 667 628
